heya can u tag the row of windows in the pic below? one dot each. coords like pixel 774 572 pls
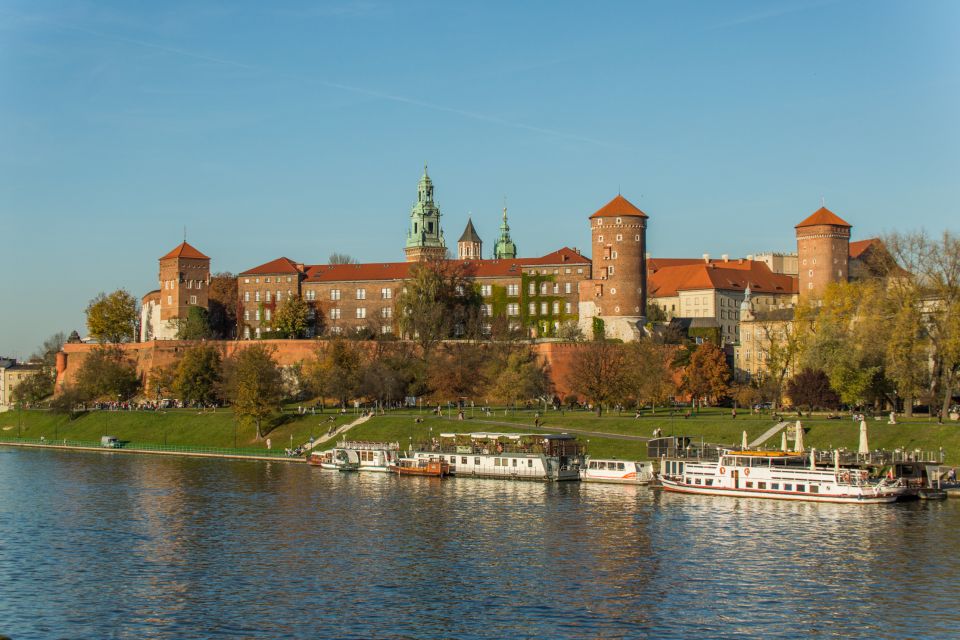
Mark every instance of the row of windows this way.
pixel 269 296
pixel 191 284
pixel 268 279
pixel 191 300
pixel 636 238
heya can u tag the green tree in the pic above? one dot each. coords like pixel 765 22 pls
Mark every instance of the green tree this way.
pixel 648 375
pixel 438 301
pixel 198 375
pixel 222 302
pixel 336 372
pixel 196 326
pixel 113 318
pixel 811 389
pixel 599 329
pixel 599 373
pixel 35 388
pixel 291 318
pixel 707 375
pixel 253 384
pixel 521 376
pixel 106 373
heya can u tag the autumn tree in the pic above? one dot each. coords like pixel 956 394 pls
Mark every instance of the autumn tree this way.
pixel 198 375
pixel 336 371
pixel 707 375
pixel 438 301
pixel 253 384
pixel 456 371
pixel 35 388
pixel 291 317
pixel 112 318
pixel 222 304
pixel 811 389
pixel 388 373
pixel 649 375
pixel 520 376
pixel 196 326
pixel 107 373
pixel 598 372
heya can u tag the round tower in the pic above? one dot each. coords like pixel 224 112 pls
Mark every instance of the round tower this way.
pixel 823 251
pixel 619 284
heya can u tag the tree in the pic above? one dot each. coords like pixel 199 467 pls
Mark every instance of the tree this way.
pixel 599 329
pixel 291 317
pixel 707 374
pixel 113 318
pixel 648 374
pixel 341 258
pixel 811 389
pixel 222 302
pixel 33 389
pixel 253 384
pixel 336 371
pixel 521 376
pixel 161 380
pixel 438 301
pixel 107 374
pixel 570 331
pixel 196 326
pixel 598 372
pixel 47 353
pixel 198 375
pixel 456 371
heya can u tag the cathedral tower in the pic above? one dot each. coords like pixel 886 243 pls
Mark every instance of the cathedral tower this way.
pixel 425 237
pixel 505 249
pixel 469 246
pixel 823 251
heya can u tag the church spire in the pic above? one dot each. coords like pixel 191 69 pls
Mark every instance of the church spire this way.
pixel 505 248
pixel 424 236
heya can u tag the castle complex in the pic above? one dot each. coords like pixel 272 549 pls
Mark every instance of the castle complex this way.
pixel 535 295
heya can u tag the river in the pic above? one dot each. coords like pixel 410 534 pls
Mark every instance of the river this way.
pixel 99 545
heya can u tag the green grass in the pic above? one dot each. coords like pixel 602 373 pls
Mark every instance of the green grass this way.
pixel 216 429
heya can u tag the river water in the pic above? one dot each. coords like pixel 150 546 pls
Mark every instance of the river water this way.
pixel 133 546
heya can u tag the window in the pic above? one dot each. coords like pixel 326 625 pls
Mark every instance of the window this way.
pixel 566 307
pixel 246 314
pixel 169 300
pixel 256 296
pixel 613 255
pixel 334 314
pixel 788 487
pixel 749 485
pixel 761 485
pixel 268 296
pixel 386 312
pixel 801 487
pixel 258 333
pixel 513 309
pixel 566 287
pixel 246 296
pixel 533 288
pixel 532 308
pixel 619 220
pixel 386 293
pixel 267 314
pixel 268 279
pixel 486 290
pixel 289 279
pixel 311 295
pixel 610 270
pixel 814 489
pixel 335 294
pixel 246 281
pixel 513 289
pixel 361 294
pixel 543 288
pixel 476 461
pixel 600 239
pixel 775 486
pixel 487 309
pixel 556 307
pixel 246 333
pixel 543 308
pixel 257 315
pixel 336 330
pixel 361 312
pixel 636 238
pixel 385 329
pixel 619 238
pixel 579 269
pixel 278 295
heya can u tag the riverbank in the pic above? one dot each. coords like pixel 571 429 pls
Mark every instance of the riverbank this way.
pixel 622 436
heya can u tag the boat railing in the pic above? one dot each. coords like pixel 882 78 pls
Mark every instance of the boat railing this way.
pixel 362 444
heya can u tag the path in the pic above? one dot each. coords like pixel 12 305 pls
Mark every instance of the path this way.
pixel 306 446
pixel 769 433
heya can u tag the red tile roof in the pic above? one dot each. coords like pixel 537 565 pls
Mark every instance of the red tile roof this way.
pixel 858 248
pixel 184 250
pixel 619 206
pixel 731 276
pixel 280 265
pixel 823 216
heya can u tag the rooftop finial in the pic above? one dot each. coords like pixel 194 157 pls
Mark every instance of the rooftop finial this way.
pixel 823 201
pixel 184 233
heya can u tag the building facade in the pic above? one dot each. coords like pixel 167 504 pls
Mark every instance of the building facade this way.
pixel 184 279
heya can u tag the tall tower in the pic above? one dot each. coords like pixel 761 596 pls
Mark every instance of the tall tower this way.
pixel 469 246
pixel 425 237
pixel 823 251
pixel 618 289
pixel 505 249
pixel 184 283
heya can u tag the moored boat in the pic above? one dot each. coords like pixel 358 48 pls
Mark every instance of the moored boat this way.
pixel 432 467
pixel 616 471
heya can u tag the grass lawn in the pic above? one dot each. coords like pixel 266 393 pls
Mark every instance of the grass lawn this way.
pixel 216 429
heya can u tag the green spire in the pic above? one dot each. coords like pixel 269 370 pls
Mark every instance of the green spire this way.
pixel 425 228
pixel 504 249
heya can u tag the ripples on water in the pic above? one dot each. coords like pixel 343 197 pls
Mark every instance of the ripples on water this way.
pixel 124 546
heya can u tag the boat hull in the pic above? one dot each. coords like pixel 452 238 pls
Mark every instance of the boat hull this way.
pixel 878 498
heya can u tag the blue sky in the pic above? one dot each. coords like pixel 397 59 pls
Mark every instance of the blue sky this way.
pixel 300 129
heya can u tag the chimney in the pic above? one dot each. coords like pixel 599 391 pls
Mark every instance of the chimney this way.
pixel 725 258
pixel 706 257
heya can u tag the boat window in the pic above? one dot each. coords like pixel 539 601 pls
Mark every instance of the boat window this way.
pixel 496 462
pixel 476 461
pixel 788 487
pixel 602 465
pixel 761 485
pixel 697 481
pixel 709 482
pixel 529 462
pixel 680 470
pixel 749 485
pixel 514 462
pixel 593 464
pixel 801 487
pixel 463 460
pixel 775 486
pixel 814 489
pixel 620 466
pixel 453 459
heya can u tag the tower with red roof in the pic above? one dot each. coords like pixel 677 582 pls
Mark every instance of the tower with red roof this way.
pixel 184 282
pixel 823 251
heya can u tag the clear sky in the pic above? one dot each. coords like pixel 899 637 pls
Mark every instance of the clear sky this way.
pixel 299 129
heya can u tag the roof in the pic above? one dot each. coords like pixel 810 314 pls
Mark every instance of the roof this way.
pixel 668 281
pixel 184 250
pixel 469 234
pixel 401 270
pixel 858 248
pixel 280 265
pixel 619 206
pixel 823 216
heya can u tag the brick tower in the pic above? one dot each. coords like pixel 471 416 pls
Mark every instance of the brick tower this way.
pixel 823 251
pixel 469 246
pixel 617 292
pixel 425 237
pixel 184 283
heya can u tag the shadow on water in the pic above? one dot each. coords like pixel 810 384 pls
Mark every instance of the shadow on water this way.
pixel 145 547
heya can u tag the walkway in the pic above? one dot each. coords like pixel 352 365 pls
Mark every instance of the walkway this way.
pixel 306 446
pixel 769 433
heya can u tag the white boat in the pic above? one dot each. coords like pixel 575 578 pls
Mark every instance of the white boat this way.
pixel 616 471
pixel 515 456
pixel 358 456
pixel 774 474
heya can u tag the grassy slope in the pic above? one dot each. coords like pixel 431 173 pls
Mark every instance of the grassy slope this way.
pixel 189 427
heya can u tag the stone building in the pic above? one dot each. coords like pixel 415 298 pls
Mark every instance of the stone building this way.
pixel 11 375
pixel 184 279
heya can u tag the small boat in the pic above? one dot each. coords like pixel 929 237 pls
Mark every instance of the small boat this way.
pixel 334 460
pixel 616 471
pixel 431 467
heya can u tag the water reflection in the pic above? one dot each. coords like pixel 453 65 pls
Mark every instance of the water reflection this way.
pixel 142 547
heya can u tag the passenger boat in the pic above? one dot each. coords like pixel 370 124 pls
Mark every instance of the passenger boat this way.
pixel 358 456
pixel 616 471
pixel 516 456
pixel 775 474
pixel 432 467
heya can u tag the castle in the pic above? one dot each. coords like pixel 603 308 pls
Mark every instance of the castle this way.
pixel 534 295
